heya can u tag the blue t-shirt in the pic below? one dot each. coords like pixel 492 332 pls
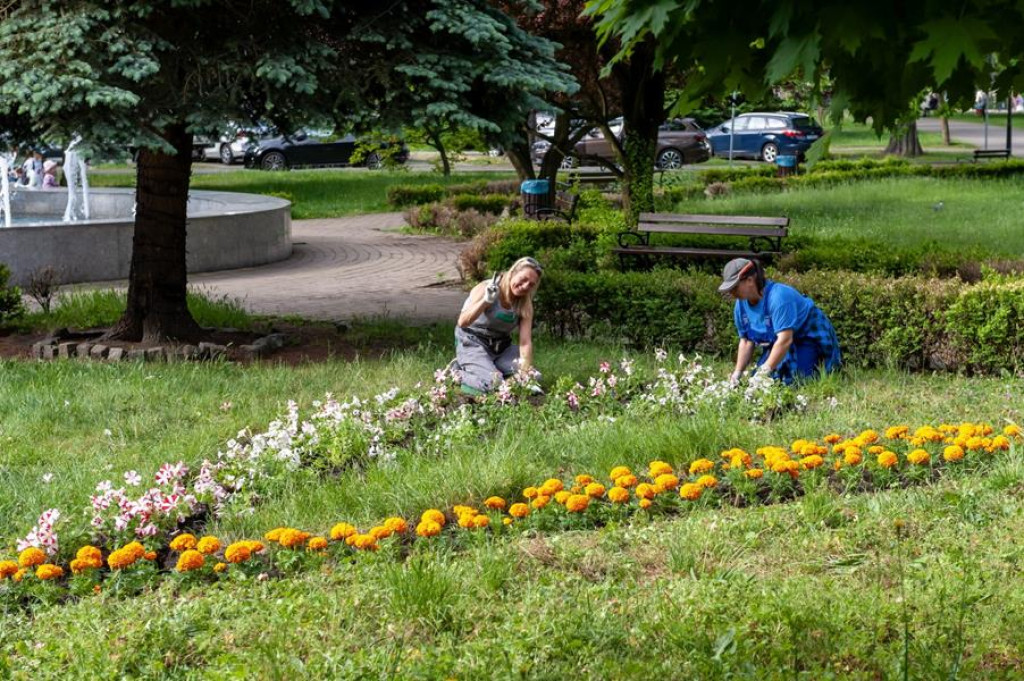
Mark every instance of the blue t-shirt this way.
pixel 787 307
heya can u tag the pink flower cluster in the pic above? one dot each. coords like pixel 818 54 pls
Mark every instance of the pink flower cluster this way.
pixel 43 536
pixel 158 508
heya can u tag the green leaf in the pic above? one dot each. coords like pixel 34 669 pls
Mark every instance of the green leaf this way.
pixel 948 39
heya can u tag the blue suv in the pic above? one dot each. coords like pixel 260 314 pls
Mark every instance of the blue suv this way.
pixel 765 135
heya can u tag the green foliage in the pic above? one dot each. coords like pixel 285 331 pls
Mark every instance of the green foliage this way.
pixel 513 239
pixel 402 195
pixel 11 307
pixel 493 204
pixel 986 324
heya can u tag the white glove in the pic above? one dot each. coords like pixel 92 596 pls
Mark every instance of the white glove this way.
pixel 734 378
pixel 491 292
pixel 763 370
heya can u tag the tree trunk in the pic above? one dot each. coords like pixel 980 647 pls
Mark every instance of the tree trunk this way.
pixel 157 308
pixel 944 121
pixel 904 142
pixel 643 108
pixel 435 141
pixel 519 156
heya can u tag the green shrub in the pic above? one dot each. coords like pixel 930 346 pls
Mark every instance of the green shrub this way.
pixel 493 204
pixel 513 239
pixel 11 307
pixel 402 195
pixel 986 326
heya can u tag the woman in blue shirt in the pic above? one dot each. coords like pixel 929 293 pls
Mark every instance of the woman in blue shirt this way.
pixel 796 337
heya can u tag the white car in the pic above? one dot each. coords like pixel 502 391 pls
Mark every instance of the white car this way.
pixel 230 147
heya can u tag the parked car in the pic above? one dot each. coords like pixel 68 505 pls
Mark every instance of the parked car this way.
pixel 311 148
pixel 680 141
pixel 765 136
pixel 230 147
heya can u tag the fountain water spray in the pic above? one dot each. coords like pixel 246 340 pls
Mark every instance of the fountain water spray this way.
pixel 75 173
pixel 5 188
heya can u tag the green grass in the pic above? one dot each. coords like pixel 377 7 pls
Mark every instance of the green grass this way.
pixel 314 193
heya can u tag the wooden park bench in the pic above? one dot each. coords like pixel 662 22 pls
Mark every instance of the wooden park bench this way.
pixel 991 153
pixel 764 235
pixel 564 203
pixel 601 177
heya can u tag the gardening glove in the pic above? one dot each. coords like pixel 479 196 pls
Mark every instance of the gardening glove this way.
pixel 491 292
pixel 734 378
pixel 763 370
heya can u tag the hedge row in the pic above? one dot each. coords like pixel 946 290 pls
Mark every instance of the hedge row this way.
pixel 911 322
pixel 402 195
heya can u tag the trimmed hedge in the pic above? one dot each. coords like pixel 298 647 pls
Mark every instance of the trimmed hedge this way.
pixel 910 323
pixel 403 195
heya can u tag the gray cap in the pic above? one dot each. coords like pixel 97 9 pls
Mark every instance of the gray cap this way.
pixel 733 272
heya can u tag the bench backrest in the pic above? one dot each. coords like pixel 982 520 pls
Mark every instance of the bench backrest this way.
pixel 729 225
pixel 979 153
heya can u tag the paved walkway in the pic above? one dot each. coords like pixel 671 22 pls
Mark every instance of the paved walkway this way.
pixel 343 268
pixel 974 133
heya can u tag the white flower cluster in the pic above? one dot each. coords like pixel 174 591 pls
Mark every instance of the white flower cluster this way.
pixel 161 507
pixel 43 536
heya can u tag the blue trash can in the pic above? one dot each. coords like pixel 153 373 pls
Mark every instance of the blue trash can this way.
pixel 786 165
pixel 536 195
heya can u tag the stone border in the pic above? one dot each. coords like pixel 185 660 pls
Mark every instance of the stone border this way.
pixel 86 345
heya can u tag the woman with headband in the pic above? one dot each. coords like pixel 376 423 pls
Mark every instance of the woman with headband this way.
pixel 796 337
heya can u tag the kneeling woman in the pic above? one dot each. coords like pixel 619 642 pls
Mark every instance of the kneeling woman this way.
pixel 493 310
pixel 796 337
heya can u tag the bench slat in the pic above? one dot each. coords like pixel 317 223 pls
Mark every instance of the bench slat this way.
pixel 715 219
pixel 725 230
pixel 722 253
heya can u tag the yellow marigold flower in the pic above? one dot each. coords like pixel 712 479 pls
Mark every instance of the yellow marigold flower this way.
pixel 868 437
pixel 595 490
pixel 667 481
pixel 208 545
pixel 239 552
pixel 797 445
pixel 519 510
pixel 918 457
pixel 754 473
pixel 691 491
pixel 149 555
pixel 20 574
pixel 48 571
pixel 380 532
pixel 618 472
pixel 31 557
pixel 427 528
pixel 481 521
pixel 917 441
pixel 78 566
pixel 365 542
pixel 396 525
pixel 657 468
pixel 465 521
pixel 220 567
pixel 811 462
pixel 562 496
pixel 434 516
pixel 531 493
pixel 645 503
pixel 985 429
pixel 120 559
pixel 253 546
pixel 577 503
pixel 707 481
pixel 292 538
pixel 317 544
pixel 275 534
pixel 135 549
pixel 584 479
pixel 626 481
pixel 495 503
pixel 887 459
pixel 896 432
pixel 1000 442
pixel 1013 430
pixel 645 491
pixel 953 453
pixel 975 443
pixel 551 487
pixel 459 509
pixel 183 542
pixel 618 495
pixel 701 466
pixel 506 521
pixel 852 456
pixel 832 438
pixel 875 450
pixel 88 552
pixel 190 560
pixel 541 501
pixel 342 531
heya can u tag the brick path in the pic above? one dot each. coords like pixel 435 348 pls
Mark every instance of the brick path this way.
pixel 343 268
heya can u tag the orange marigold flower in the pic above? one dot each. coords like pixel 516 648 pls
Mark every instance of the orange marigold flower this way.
pixel 317 544
pixel 832 438
pixel 433 515
pixel 551 487
pixel 149 555
pixel 481 521
pixel 239 552
pixel 657 468
pixel 190 560
pixel 701 466
pixel 707 481
pixel 531 493
pixel 645 504
pixel 953 453
pixel 31 557
pixel 48 571
pixel 342 531
pixel 365 542
pixel 975 443
pixel 519 510
pixel 754 473
pixel 595 490
pixel 292 538
pixel 852 456
pixel 253 546
pixel 618 472
pixel 465 520
pixel 495 503
pixel 811 462
pixel 562 496
pixel 645 491
pixel 88 552
pixel 618 495
pixel 896 432
pixel 868 437
pixel 396 525
pixel 584 479
pixel 506 521
pixel 541 501
pixel 887 459
pixel 875 450
pixel 183 542
pixel 120 559
pixel 275 534
pixel 1013 430
pixel 20 574
pixel 626 480
pixel 577 503
pixel 428 528
pixel 380 532
pixel 667 481
pixel 1000 442
pixel 691 491
pixel 78 566
pixel 136 550
pixel 208 545
pixel 918 457
pixel 459 509
pixel 220 567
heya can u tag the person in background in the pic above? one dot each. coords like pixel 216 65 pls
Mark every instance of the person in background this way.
pixel 33 168
pixel 484 351
pixel 796 338
pixel 50 175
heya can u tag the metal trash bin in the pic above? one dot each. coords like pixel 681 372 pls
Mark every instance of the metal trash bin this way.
pixel 536 195
pixel 785 166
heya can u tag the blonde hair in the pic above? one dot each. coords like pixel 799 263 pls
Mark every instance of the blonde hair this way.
pixel 523 303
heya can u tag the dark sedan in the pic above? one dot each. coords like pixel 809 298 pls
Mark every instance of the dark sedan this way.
pixel 765 135
pixel 680 142
pixel 311 149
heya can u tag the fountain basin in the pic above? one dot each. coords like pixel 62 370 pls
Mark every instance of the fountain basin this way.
pixel 225 230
